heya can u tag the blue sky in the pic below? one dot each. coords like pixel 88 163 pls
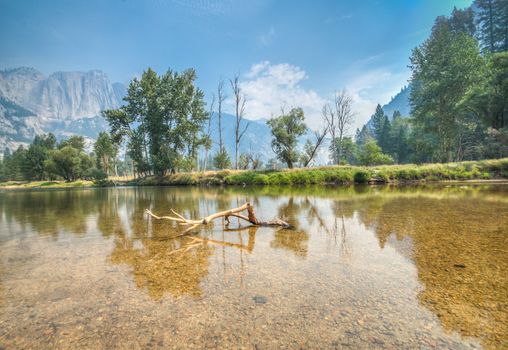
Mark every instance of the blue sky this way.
pixel 287 52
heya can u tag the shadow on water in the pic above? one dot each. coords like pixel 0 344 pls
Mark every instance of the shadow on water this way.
pixel 456 238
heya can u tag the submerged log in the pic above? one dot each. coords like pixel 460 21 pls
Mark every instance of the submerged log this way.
pixel 235 212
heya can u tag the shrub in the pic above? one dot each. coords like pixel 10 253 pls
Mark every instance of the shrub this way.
pixel 362 176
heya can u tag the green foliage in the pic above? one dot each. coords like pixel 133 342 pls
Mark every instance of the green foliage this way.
pixel 221 160
pixel 64 162
pixel 371 154
pixel 105 152
pixel 285 130
pixel 362 176
pixel 98 174
pixel 162 119
pixel 13 165
pixel 363 136
pixel 492 24
pixel 37 154
pixel 378 120
pixel 341 174
pixel 76 142
pixel 445 67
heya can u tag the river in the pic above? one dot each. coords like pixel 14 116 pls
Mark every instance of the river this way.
pixel 362 268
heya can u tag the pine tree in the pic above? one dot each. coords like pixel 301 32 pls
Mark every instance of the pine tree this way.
pixel 378 120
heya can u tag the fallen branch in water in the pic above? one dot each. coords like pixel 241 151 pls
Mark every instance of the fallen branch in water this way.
pixel 235 212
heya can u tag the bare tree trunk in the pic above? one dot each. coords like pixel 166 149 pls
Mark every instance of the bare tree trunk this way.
pixel 338 118
pixel 239 98
pixel 221 97
pixel 208 143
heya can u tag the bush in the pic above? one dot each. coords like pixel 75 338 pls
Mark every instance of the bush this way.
pixel 362 176
pixel 95 174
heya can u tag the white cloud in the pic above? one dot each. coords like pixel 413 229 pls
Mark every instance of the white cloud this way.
pixel 269 87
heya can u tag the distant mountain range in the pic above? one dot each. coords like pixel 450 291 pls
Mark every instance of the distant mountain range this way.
pixel 69 103
pixel 64 103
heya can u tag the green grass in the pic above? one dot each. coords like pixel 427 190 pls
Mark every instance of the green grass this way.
pixel 45 184
pixel 471 170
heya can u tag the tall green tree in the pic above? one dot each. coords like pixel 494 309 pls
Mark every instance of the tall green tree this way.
pixel 492 20
pixel 162 119
pixel 13 164
pixel 105 152
pixel 462 21
pixel 285 130
pixel 444 68
pixel 36 155
pixel 385 136
pixel 378 120
pixel 400 135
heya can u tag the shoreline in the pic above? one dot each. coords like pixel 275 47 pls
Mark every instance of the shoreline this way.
pixel 485 171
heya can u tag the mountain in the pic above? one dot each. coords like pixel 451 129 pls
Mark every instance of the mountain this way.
pixel 399 103
pixel 63 103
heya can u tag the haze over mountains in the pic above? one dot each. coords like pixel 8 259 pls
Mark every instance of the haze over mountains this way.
pixel 67 103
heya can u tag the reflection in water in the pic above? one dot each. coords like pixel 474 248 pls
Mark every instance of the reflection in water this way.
pixel 164 266
pixel 365 267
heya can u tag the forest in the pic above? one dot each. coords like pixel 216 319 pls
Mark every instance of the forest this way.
pixel 459 112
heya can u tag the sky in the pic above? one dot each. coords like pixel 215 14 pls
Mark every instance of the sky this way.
pixel 287 53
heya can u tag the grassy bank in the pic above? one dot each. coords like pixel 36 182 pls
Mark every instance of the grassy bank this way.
pixel 45 184
pixel 473 170
pixel 463 171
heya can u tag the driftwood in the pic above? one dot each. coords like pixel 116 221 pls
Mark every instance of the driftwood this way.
pixel 235 212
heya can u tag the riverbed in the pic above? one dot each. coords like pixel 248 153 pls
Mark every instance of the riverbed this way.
pixel 363 267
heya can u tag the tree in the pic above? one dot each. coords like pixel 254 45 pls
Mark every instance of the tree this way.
pixel 65 162
pixel 350 150
pixel 400 131
pixel 105 151
pixel 384 139
pixel 363 136
pixel 244 161
pixel 492 20
pixel 13 164
pixel 239 100
pixel 378 120
pixel 371 154
pixel 462 21
pixel 162 118
pixel 76 142
pixel 489 98
pixel 338 118
pixel 207 141
pixel 444 68
pixel 221 159
pixel 285 130
pixel 36 155
pixel 310 149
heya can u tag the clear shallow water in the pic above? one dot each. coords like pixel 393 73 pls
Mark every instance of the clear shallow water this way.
pixel 365 267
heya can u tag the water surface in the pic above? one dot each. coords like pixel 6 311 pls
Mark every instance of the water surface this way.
pixel 364 267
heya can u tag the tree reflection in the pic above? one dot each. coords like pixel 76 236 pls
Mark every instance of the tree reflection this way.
pixel 158 269
pixel 461 260
pixel 294 240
